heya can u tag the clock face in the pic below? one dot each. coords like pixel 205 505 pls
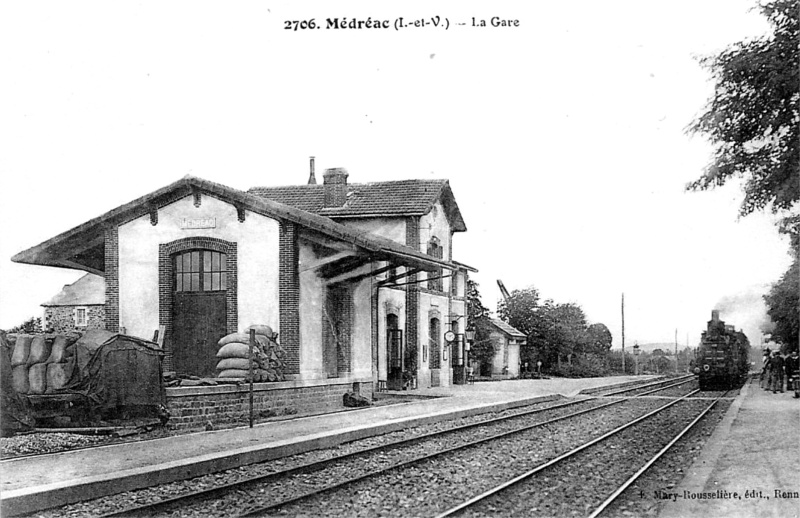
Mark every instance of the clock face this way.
pixel 450 336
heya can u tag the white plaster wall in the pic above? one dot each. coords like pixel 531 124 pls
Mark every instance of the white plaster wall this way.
pixel 435 223
pixel 427 303
pixel 258 246
pixel 461 284
pixel 499 342
pixel 513 359
pixel 390 228
pixel 361 336
pixel 311 302
pixel 457 307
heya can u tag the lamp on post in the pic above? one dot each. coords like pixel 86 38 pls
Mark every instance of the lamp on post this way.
pixel 636 357
pixel 469 334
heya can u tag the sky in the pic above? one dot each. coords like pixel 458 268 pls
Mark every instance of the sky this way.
pixel 563 137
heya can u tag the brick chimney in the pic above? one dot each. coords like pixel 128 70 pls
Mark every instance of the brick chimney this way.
pixel 335 182
pixel 312 180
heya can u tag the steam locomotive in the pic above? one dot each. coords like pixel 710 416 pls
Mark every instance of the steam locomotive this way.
pixel 722 358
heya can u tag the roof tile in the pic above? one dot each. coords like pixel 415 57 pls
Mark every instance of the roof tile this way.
pixel 400 198
pixel 89 290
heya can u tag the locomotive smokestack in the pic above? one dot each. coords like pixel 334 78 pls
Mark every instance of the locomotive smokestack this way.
pixel 715 315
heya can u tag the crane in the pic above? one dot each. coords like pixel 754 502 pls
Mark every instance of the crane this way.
pixel 503 290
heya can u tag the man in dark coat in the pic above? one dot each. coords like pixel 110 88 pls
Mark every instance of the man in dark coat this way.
pixel 793 372
pixel 776 372
pixel 765 369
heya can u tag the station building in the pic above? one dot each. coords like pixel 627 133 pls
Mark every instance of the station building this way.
pixel 358 280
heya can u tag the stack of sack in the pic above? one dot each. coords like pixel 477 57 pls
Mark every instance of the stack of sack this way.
pixel 269 358
pixel 41 364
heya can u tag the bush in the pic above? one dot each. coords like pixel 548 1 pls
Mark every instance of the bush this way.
pixel 31 326
pixel 588 366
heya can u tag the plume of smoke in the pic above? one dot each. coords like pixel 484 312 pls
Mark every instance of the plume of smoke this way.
pixel 747 311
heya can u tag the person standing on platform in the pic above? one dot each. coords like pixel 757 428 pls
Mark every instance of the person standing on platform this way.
pixel 765 369
pixel 793 373
pixel 776 371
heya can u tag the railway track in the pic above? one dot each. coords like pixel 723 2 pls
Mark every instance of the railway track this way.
pixel 471 435
pixel 672 382
pixel 487 503
pixel 115 441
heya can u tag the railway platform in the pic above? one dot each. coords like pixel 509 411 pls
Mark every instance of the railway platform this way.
pixel 751 464
pixel 33 483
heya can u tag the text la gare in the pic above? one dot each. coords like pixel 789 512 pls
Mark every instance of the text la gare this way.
pixel 495 21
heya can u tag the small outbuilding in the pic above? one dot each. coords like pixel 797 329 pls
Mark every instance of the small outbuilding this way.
pixel 79 306
pixel 507 341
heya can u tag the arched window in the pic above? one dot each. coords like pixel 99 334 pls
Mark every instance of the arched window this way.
pixel 435 250
pixel 201 270
pixel 434 330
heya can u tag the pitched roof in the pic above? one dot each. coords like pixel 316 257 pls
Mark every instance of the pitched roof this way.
pixel 375 199
pixel 507 329
pixel 71 249
pixel 89 290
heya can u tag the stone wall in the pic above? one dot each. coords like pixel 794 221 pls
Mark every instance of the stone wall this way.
pixel 194 407
pixel 61 319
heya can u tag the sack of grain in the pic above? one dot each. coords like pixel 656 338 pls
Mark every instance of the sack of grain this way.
pixel 58 352
pixel 19 379
pixel 233 337
pixel 233 363
pixel 262 330
pixel 37 378
pixel 243 338
pixel 233 373
pixel 21 350
pixel 58 374
pixel 40 349
pixel 235 350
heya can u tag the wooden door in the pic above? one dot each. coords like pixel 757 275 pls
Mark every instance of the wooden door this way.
pixel 394 354
pixel 199 311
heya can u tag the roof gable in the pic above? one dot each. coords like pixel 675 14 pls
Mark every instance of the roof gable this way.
pixel 507 329
pixel 89 290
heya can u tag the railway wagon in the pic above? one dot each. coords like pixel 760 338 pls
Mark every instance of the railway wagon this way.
pixel 722 358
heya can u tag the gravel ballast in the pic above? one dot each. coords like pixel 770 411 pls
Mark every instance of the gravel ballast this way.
pixel 417 491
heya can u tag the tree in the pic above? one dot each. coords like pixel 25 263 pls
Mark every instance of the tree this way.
pixel 753 117
pixel 570 329
pixel 478 319
pixel 521 312
pixel 555 331
pixel 598 339
pixel 520 309
pixel 475 307
pixel 783 307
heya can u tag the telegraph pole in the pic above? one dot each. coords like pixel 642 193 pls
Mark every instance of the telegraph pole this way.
pixel 623 334
pixel 676 350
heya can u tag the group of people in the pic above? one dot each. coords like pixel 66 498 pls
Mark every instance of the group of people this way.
pixel 776 369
